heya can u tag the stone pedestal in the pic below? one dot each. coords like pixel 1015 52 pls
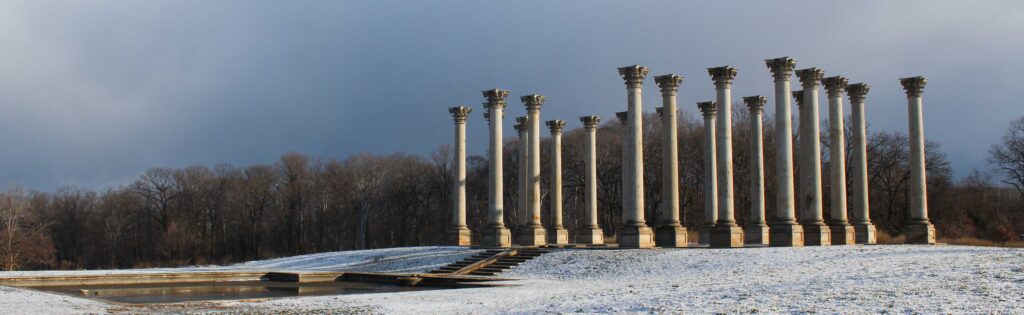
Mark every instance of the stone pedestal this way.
pixel 532 236
pixel 842 234
pixel 558 236
pixel 756 235
pixel 636 236
pixel 817 235
pixel 458 236
pixel 865 233
pixel 496 237
pixel 786 235
pixel 670 236
pixel 704 237
pixel 920 233
pixel 590 236
pixel 726 236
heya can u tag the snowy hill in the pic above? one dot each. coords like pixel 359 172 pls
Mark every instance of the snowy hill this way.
pixel 845 279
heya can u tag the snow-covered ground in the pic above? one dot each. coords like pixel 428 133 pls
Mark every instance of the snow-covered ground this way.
pixel 841 279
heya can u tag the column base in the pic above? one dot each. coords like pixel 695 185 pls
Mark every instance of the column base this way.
pixel 920 233
pixel 786 235
pixel 725 236
pixel 532 236
pixel 817 234
pixel 865 233
pixel 842 234
pixel 756 235
pixel 590 236
pixel 704 237
pixel 458 236
pixel 673 235
pixel 636 236
pixel 496 236
pixel 558 236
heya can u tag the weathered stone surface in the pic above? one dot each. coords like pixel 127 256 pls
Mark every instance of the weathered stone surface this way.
pixel 532 236
pixel 786 235
pixel 496 237
pixel 817 235
pixel 723 236
pixel 756 235
pixel 459 236
pixel 558 236
pixel 633 236
pixel 590 236
pixel 842 234
pixel 920 233
pixel 865 233
pixel 670 236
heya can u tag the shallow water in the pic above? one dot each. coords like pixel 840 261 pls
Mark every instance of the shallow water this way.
pixel 228 290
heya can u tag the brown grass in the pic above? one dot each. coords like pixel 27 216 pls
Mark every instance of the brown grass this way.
pixel 973 241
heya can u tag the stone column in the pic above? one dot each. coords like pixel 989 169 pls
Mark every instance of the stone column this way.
pixel 710 172
pixel 919 229
pixel 458 233
pixel 785 231
pixel 726 233
pixel 670 232
pixel 627 178
pixel 523 147
pixel 635 233
pixel 816 233
pixel 590 233
pixel 495 234
pixel 756 231
pixel 557 234
pixel 864 231
pixel 842 231
pixel 533 233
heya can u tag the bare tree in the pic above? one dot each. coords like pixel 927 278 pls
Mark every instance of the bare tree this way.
pixel 1008 157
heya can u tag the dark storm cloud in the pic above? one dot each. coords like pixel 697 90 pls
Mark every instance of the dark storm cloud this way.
pixel 93 93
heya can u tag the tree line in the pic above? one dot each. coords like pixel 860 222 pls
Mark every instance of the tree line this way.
pixel 222 214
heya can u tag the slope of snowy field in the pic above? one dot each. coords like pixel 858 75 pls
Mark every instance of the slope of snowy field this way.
pixel 843 279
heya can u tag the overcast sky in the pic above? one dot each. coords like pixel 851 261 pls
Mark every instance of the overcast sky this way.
pixel 93 93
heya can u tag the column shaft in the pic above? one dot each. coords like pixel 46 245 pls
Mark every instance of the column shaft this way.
pixel 495 234
pixel 458 233
pixel 784 228
pixel 839 225
pixel 556 232
pixel 710 172
pixel 919 229
pixel 860 204
pixel 670 232
pixel 533 233
pixel 756 231
pixel 726 233
pixel 635 233
pixel 590 233
pixel 816 233
pixel 522 127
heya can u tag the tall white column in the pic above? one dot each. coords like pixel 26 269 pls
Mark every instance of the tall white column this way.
pixel 816 233
pixel 495 234
pixel 756 230
pixel 590 233
pixel 522 127
pixel 635 233
pixel 726 233
pixel 670 232
pixel 557 234
pixel 839 225
pixel 533 233
pixel 785 231
pixel 709 109
pixel 458 233
pixel 864 230
pixel 627 172
pixel 919 229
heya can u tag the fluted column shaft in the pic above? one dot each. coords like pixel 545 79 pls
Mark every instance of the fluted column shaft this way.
pixel 495 234
pixel 635 232
pixel 784 228
pixel 860 205
pixel 709 110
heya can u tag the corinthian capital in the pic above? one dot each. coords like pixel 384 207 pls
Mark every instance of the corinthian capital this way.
pixel 913 85
pixel 709 109
pixel 533 101
pixel 834 85
pixel 781 68
pixel 623 117
pixel 798 96
pixel 522 124
pixel 496 96
pixel 857 92
pixel 668 83
pixel 634 75
pixel 755 103
pixel 722 76
pixel 460 113
pixel 555 125
pixel 810 77
pixel 590 122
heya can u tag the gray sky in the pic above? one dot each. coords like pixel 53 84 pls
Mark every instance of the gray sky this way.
pixel 93 93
